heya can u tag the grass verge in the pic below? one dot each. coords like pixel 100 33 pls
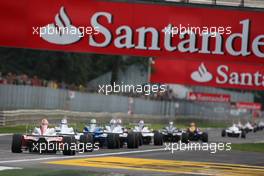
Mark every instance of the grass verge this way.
pixel 249 147
pixel 47 172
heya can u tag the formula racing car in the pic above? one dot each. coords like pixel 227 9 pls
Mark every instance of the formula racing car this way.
pixel 95 132
pixel 233 131
pixel 48 140
pixel 117 136
pixel 144 133
pixel 194 134
pixel 171 133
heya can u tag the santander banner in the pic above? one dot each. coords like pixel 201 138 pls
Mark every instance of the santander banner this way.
pixel 215 74
pixel 142 29
pixel 220 98
pixel 248 105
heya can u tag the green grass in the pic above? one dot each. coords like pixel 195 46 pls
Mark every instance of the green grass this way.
pixel 46 172
pixel 13 129
pixel 249 147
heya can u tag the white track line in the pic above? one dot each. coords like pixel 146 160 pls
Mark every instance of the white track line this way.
pixel 81 156
pixel 6 134
pixel 2 168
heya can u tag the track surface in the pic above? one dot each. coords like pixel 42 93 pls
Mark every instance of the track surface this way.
pixel 148 160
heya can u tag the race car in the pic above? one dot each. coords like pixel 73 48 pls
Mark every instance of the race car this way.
pixel 96 132
pixel 117 136
pixel 194 134
pixel 171 133
pixel 261 125
pixel 144 133
pixel 43 140
pixel 233 131
pixel 240 125
pixel 248 127
pixel 85 139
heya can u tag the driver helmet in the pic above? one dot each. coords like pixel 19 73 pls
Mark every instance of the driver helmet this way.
pixel 112 122
pixel 44 126
pixel 44 122
pixel 64 121
pixel 192 127
pixel 119 121
pixel 141 123
pixel 192 124
pixel 93 121
pixel 170 124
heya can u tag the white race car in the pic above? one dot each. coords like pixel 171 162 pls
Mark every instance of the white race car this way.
pixel 145 134
pixel 171 133
pixel 261 125
pixel 233 131
pixel 248 127
pixel 117 136
pixel 64 130
pixel 43 140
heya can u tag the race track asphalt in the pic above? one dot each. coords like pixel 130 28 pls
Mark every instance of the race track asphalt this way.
pixel 147 160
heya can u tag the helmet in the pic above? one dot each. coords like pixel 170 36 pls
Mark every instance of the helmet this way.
pixel 44 122
pixel 64 121
pixel 113 122
pixel 171 123
pixel 93 121
pixel 192 124
pixel 141 122
pixel 44 126
pixel 119 121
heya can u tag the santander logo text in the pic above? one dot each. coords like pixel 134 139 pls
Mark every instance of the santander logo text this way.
pixel 251 78
pixel 153 39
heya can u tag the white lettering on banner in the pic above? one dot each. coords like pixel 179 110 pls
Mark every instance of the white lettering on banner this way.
pixel 194 96
pixel 225 76
pixel 234 78
pixel 184 45
pixel 153 39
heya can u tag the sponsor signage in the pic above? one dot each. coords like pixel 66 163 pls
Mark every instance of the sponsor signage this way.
pixel 215 74
pixel 220 98
pixel 133 29
pixel 248 105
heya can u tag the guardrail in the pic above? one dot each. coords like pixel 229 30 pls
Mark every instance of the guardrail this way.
pixel 228 3
pixel 19 103
pixel 33 116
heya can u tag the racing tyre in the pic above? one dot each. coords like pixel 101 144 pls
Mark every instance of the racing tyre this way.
pixel 223 133
pixel 158 138
pixel 67 143
pixel 185 138
pixel 243 134
pixel 113 141
pixel 204 137
pixel 132 140
pixel 140 139
pixel 16 143
pixel 87 140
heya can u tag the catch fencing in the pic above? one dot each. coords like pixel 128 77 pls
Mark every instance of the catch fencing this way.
pixel 14 97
